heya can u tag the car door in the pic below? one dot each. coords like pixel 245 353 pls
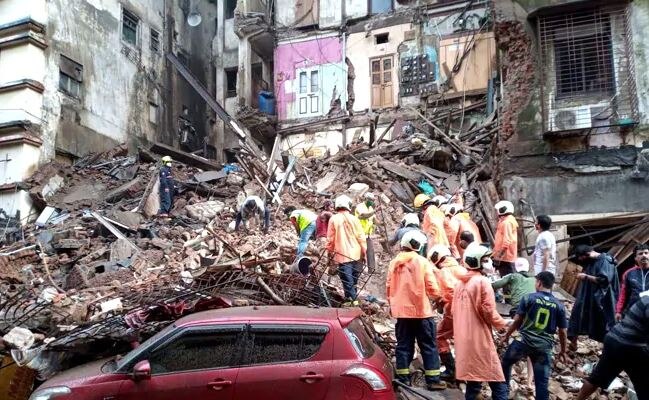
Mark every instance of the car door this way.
pixel 286 361
pixel 197 363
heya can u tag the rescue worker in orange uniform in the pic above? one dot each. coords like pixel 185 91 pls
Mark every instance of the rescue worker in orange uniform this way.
pixel 465 224
pixel 448 272
pixel 433 222
pixel 452 228
pixel 410 286
pixel 474 315
pixel 346 246
pixel 506 240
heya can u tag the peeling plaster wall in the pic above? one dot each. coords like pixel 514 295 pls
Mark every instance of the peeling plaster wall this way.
pixel 116 89
pixel 360 48
pixel 639 22
pixel 324 53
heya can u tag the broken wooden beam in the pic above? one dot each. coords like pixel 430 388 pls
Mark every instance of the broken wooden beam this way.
pixel 184 157
pixel 400 170
pixel 113 230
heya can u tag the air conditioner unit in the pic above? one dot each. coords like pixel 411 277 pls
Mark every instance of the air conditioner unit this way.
pixel 565 119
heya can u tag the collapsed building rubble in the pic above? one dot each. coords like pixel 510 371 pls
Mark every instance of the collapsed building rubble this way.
pixel 96 272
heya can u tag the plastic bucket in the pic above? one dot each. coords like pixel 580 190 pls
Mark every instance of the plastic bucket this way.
pixel 302 266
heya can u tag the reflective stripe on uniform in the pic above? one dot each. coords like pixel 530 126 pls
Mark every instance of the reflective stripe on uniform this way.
pixel 404 371
pixel 432 372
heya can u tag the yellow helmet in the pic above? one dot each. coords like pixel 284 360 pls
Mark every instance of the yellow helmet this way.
pixel 420 199
pixel 166 160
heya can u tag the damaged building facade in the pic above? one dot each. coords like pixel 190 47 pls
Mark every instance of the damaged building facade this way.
pixel 83 76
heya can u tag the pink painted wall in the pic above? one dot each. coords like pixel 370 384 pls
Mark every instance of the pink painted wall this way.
pixel 304 54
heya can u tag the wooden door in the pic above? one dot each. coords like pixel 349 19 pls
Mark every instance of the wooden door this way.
pixel 381 72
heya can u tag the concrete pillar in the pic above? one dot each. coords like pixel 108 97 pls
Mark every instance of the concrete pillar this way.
pixel 219 126
pixel 244 76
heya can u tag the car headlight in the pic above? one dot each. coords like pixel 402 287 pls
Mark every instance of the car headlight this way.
pixel 50 393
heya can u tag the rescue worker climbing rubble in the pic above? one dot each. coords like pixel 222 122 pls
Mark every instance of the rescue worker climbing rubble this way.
pixel 448 272
pixel 474 315
pixel 410 287
pixel 304 222
pixel 433 223
pixel 166 187
pixel 346 246
pixel 252 207
pixel 506 239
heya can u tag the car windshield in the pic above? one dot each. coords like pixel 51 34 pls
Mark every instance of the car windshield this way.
pixel 130 356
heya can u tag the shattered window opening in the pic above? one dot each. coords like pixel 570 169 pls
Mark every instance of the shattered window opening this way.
pixel 231 82
pixel 155 40
pixel 381 38
pixel 130 23
pixel 230 6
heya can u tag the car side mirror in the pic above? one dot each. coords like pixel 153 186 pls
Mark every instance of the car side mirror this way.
pixel 142 371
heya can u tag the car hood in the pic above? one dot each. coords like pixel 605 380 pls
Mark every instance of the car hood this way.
pixel 86 372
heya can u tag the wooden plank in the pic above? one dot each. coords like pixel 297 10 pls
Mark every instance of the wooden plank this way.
pixel 391 148
pixel 377 141
pixel 400 170
pixel 184 157
pixel 431 171
pixel 399 192
pixel 488 199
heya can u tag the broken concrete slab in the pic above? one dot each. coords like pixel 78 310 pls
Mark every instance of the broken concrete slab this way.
pixel 120 249
pixel 45 216
pixel 205 210
pixel 112 229
pixel 121 190
pixel 210 176
pixel 88 191
pixel 132 220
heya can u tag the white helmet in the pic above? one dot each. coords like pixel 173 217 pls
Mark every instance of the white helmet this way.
pixel 473 255
pixel 369 196
pixel 444 208
pixel 410 219
pixel 439 200
pixel 413 240
pixel 453 209
pixel 504 207
pixel 437 252
pixel 343 201
pixel 522 265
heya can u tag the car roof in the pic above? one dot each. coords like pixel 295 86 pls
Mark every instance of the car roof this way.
pixel 274 313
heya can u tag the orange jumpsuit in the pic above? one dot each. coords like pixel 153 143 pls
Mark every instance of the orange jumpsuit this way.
pixel 448 275
pixel 466 224
pixel 410 286
pixel 433 226
pixel 345 238
pixel 474 316
pixel 506 240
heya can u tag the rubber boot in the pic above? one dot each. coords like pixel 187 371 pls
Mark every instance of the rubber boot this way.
pixel 435 385
pixel 448 362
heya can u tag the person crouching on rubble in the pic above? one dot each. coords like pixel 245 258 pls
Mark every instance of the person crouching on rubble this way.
pixel 474 315
pixel 411 286
pixel 304 222
pixel 538 317
pixel 409 223
pixel 346 247
pixel 626 348
pixel 166 187
pixel 448 272
pixel 594 311
pixel 252 206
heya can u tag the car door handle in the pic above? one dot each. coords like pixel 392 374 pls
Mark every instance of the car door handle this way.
pixel 311 377
pixel 219 384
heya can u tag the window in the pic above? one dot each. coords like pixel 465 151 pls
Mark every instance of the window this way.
pixel 586 78
pixel 130 24
pixel 196 350
pixel 315 83
pixel 230 5
pixel 231 82
pixel 381 38
pixel 357 334
pixel 380 6
pixel 70 76
pixel 276 344
pixel 153 113
pixel 302 82
pixel 155 41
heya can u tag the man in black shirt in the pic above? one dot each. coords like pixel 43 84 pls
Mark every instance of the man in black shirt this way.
pixel 626 348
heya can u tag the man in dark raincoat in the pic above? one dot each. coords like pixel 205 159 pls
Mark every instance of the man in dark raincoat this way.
pixel 594 310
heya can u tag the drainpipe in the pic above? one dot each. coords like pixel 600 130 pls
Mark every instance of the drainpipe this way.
pixel 344 52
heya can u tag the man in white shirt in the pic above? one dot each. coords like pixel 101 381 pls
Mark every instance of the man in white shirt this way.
pixel 545 250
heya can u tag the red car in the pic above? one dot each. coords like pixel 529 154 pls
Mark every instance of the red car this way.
pixel 269 353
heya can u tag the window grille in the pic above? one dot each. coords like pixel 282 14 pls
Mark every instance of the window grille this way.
pixel 586 69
